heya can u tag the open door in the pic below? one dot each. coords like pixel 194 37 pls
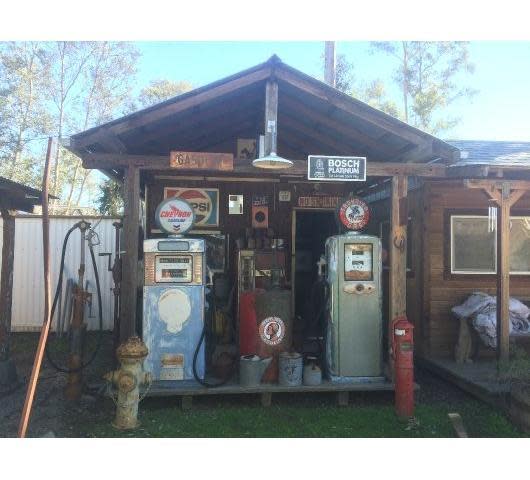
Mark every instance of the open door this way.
pixel 311 228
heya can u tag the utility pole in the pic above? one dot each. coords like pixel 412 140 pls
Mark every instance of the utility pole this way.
pixel 329 63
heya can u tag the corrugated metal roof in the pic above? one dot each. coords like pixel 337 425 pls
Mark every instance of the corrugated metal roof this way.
pixel 488 152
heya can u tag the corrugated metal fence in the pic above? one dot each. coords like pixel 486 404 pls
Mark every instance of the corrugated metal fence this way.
pixel 28 285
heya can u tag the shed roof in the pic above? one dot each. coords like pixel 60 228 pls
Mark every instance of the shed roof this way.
pixel 16 196
pixel 313 118
pixel 489 152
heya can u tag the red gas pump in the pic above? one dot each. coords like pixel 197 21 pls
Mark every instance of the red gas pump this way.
pixel 403 354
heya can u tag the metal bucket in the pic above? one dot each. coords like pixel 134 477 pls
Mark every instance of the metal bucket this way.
pixel 291 367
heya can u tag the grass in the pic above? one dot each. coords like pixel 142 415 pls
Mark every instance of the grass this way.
pixel 300 418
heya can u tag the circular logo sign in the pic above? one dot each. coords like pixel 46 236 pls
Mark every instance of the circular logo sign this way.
pixel 201 203
pixel 354 213
pixel 175 216
pixel 272 330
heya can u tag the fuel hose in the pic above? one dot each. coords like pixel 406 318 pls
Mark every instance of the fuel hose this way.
pixel 196 354
pixel 58 291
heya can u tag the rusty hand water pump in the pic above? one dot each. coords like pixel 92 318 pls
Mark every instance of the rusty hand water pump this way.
pixel 127 380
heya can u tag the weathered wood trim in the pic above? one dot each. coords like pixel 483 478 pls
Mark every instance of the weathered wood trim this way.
pixel 160 162
pixel 503 274
pixel 130 274
pixel 355 108
pixel 176 107
pixel 6 283
pixel 328 122
pixel 398 255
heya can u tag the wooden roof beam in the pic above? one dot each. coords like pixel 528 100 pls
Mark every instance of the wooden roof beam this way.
pixel 339 127
pixel 161 162
pixel 169 108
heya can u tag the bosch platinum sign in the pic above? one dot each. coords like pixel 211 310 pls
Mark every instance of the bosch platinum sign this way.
pixel 327 168
pixel 175 216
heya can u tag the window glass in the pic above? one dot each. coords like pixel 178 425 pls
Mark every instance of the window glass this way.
pixel 473 247
pixel 520 244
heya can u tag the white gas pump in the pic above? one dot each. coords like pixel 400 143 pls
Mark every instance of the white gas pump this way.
pixel 354 332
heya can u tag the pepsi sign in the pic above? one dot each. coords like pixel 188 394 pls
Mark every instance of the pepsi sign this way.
pixel 204 201
pixel 175 216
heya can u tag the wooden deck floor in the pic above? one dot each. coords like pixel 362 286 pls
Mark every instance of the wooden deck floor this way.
pixel 184 388
pixel 479 378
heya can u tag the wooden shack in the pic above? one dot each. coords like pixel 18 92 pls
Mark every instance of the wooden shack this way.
pixel 204 142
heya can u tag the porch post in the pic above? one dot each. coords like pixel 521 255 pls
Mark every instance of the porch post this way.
pixel 398 256
pixel 131 222
pixel 6 285
pixel 503 274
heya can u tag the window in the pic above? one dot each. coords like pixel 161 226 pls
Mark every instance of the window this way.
pixel 474 247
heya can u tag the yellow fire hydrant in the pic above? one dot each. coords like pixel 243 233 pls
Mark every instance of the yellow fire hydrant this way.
pixel 127 380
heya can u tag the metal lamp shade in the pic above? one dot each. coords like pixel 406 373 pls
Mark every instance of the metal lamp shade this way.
pixel 272 161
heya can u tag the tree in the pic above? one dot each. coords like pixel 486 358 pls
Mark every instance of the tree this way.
pixel 157 91
pixel 426 73
pixel 373 93
pixel 110 200
pixel 344 76
pixel 106 81
pixel 24 72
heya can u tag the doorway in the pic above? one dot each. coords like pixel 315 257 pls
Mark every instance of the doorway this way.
pixel 311 228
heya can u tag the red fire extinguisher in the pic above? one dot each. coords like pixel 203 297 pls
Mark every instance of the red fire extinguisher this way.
pixel 403 354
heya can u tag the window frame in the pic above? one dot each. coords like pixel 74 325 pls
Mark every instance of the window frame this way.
pixel 450 215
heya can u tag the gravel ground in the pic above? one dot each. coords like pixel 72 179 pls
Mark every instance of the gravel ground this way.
pixel 53 416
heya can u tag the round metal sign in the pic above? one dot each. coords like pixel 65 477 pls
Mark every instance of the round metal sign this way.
pixel 354 213
pixel 175 216
pixel 272 330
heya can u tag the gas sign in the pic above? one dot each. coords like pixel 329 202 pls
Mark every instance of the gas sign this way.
pixel 354 213
pixel 204 201
pixel 175 216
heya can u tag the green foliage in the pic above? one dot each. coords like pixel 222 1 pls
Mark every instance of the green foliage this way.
pixel 430 76
pixel 159 90
pixel 110 200
pixel 517 369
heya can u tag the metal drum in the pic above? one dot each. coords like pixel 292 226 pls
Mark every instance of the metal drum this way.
pixel 273 319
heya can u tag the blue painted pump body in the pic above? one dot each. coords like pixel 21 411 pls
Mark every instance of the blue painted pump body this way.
pixel 160 341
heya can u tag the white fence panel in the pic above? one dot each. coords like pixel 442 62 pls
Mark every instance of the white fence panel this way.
pixel 28 283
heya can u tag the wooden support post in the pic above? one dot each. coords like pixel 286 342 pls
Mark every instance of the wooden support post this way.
pixel 6 285
pixel 505 194
pixel 343 398
pixel 398 256
pixel 271 117
pixel 187 402
pixel 503 274
pixel 266 399
pixel 129 284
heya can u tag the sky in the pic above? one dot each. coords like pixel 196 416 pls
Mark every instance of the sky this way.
pixel 499 111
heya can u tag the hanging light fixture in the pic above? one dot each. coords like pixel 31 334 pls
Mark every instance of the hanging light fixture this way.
pixel 272 161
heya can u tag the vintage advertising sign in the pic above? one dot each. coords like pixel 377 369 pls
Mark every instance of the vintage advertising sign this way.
pixel 319 202
pixel 201 161
pixel 272 330
pixel 354 213
pixel 175 216
pixel 331 169
pixel 205 203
